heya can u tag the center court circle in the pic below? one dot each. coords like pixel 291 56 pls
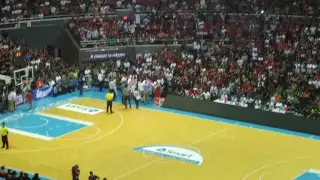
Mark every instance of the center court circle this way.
pixel 45 120
pixel 71 145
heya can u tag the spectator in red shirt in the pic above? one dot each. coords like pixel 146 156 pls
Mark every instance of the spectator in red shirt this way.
pixel 29 99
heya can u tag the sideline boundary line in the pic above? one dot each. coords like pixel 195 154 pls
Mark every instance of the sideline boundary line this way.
pixel 98 130
pixel 63 118
pixel 226 121
pixel 299 175
pixel 28 134
pixel 72 145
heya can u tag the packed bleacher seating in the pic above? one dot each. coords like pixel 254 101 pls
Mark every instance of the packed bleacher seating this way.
pixel 296 7
pixel 9 174
pixel 15 11
pixel 264 53
pixel 172 28
pixel 274 67
pixel 257 60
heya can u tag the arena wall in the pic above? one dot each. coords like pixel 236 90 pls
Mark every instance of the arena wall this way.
pixel 40 36
pixel 249 115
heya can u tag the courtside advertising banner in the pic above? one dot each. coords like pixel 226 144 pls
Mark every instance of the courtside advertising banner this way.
pixel 19 99
pixel 43 92
pixel 107 54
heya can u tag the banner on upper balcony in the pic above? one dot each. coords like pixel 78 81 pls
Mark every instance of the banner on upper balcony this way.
pixel 107 54
pixel 43 92
pixel 202 33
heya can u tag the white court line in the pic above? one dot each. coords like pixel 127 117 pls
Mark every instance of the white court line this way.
pixel 156 160
pixel 236 122
pixel 33 135
pixel 37 126
pixel 261 176
pixel 315 171
pixel 299 175
pixel 71 145
pixel 137 169
pixel 48 138
pixel 70 132
pixel 77 139
pixel 271 164
pixel 207 137
pixel 65 118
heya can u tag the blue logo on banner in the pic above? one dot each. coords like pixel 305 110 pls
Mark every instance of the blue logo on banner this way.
pixel 43 92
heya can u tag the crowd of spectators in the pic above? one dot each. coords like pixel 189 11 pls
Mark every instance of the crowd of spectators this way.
pixel 262 61
pixel 9 49
pixel 160 28
pixel 268 61
pixel 257 60
pixel 271 65
pixel 15 10
pixel 9 174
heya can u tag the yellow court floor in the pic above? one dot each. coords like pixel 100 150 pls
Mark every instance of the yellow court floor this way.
pixel 229 152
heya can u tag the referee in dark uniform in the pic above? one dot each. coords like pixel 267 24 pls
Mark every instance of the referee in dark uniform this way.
pixel 4 135
pixel 109 98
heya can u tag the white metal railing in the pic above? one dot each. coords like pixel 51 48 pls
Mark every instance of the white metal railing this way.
pixel 117 43
pixel 52 18
pixel 90 15
pixel 132 41
pixel 145 41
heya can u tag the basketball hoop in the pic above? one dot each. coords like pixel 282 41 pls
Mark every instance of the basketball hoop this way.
pixel 158 101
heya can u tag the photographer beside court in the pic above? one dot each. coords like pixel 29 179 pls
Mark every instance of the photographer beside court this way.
pixel 93 177
pixel 75 171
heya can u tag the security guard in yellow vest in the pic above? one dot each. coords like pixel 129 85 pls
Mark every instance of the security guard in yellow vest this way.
pixel 109 97
pixel 4 135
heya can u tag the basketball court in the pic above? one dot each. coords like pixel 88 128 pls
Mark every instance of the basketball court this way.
pixel 151 143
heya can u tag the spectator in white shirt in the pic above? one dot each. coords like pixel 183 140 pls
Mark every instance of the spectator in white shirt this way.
pixel 11 100
pixel 100 79
pixel 136 97
pixel 113 88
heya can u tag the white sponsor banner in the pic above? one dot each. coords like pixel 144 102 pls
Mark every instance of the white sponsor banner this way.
pixel 173 152
pixel 80 109
pixel 19 100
